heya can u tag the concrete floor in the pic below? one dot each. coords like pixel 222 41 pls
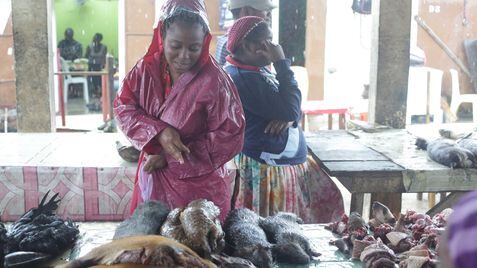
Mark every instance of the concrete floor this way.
pixel 79 117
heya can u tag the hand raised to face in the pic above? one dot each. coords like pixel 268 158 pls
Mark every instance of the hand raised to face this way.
pixel 273 52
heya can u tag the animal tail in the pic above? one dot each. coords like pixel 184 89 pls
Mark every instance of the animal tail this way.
pixel 421 143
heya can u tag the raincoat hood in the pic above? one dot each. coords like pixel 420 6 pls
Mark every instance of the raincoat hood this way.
pixel 169 8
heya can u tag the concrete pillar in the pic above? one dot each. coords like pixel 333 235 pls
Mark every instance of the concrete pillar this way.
pixel 139 22
pixel 315 47
pixel 390 62
pixel 32 65
pixel 213 13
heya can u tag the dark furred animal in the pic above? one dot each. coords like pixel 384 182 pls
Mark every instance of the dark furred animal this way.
pixel 292 246
pixel 447 152
pixel 245 238
pixel 146 219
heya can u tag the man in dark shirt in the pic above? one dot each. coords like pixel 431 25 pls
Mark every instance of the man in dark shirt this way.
pixel 70 49
pixel 239 9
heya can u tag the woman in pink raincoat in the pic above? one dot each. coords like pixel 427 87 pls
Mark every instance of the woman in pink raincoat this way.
pixel 183 112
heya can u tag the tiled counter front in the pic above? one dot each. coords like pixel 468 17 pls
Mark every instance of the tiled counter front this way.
pixel 87 194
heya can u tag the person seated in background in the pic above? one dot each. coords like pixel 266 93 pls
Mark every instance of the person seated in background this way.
pixel 276 173
pixel 457 247
pixel 96 55
pixel 69 48
pixel 239 9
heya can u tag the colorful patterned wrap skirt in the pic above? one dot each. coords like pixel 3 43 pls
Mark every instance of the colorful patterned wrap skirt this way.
pixel 303 189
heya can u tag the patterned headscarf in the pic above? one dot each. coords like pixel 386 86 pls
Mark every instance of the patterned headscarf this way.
pixel 241 28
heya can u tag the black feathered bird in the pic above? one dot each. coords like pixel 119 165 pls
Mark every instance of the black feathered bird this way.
pixel 3 242
pixel 40 230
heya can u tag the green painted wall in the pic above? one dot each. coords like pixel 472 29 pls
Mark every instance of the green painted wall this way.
pixel 94 16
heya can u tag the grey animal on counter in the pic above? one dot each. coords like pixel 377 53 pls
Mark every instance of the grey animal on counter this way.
pixel 147 219
pixel 447 152
pixel 468 144
pixel 245 238
pixel 464 140
pixel 291 245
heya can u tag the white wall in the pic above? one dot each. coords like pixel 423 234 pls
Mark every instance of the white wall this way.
pixel 275 21
pixel 5 10
pixel 347 55
pixel 158 11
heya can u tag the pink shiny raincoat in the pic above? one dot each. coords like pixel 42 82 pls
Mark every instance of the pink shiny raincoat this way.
pixel 203 106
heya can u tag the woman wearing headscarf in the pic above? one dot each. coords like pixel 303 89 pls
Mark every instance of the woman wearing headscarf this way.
pixel 183 112
pixel 275 172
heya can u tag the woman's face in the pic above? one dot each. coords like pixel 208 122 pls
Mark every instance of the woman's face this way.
pixel 183 46
pixel 253 57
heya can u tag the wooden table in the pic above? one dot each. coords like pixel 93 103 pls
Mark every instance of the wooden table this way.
pixel 386 164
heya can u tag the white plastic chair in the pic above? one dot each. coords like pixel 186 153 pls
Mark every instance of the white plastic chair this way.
pixel 73 80
pixel 301 77
pixel 314 107
pixel 417 93
pixel 458 98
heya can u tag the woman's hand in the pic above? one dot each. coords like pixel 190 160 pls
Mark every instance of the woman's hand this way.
pixel 275 127
pixel 170 141
pixel 153 162
pixel 273 52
